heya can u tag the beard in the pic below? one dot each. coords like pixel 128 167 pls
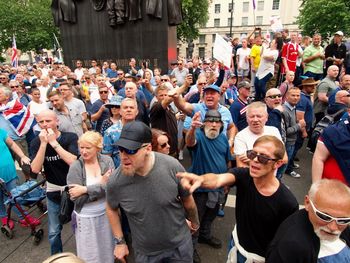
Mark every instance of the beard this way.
pixel 128 171
pixel 211 133
pixel 332 236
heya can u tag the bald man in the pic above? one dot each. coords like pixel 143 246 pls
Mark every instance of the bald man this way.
pixel 318 233
pixel 54 151
pixel 340 106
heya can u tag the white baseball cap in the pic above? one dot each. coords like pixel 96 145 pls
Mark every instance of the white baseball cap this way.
pixel 339 33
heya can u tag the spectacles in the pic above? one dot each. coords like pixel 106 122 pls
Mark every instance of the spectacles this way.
pixel 14 86
pixel 164 145
pixel 103 91
pixel 179 63
pixel 274 96
pixel 263 159
pixel 119 74
pixel 327 218
pixel 165 80
pixel 130 152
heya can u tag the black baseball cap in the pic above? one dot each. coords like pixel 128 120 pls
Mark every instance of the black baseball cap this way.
pixel 212 115
pixel 134 134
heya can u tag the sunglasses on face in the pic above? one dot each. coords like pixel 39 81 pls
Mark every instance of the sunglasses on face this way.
pixel 103 92
pixel 14 86
pixel 130 152
pixel 263 159
pixel 164 145
pixel 327 218
pixel 164 80
pixel 2 78
pixel 202 83
pixel 274 96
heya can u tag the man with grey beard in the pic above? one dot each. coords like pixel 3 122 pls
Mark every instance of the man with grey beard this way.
pixel 318 233
pixel 210 152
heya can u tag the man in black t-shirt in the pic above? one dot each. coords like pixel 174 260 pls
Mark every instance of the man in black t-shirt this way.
pixel 262 201
pixel 55 151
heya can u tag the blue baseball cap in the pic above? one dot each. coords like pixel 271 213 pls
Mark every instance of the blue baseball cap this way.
pixel 212 87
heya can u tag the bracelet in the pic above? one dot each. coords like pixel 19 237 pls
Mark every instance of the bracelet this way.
pixel 56 146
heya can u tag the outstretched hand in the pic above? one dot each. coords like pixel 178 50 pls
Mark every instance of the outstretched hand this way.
pixel 196 120
pixel 190 181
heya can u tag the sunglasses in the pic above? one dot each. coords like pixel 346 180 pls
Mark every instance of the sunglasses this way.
pixel 263 159
pixel 212 119
pixel 202 83
pixel 164 145
pixel 179 63
pixel 14 86
pixel 327 218
pixel 130 152
pixel 103 92
pixel 119 74
pixel 2 78
pixel 274 96
pixel 165 80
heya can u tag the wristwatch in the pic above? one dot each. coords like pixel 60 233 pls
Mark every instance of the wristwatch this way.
pixel 119 241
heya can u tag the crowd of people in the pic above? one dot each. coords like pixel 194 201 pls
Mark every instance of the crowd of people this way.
pixel 117 137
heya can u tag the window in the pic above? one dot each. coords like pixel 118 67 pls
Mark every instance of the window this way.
pixel 216 22
pixel 259 20
pixel 231 7
pixel 229 21
pixel 276 4
pixel 201 39
pixel 217 8
pixel 201 52
pixel 244 21
pixel 260 5
pixel 245 6
pixel 213 37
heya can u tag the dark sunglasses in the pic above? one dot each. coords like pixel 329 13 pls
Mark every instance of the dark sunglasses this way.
pixel 103 92
pixel 119 74
pixel 202 83
pixel 212 119
pixel 14 86
pixel 327 218
pixel 164 145
pixel 274 96
pixel 130 152
pixel 2 78
pixel 165 80
pixel 263 159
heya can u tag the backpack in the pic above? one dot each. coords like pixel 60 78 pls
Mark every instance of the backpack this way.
pixel 326 121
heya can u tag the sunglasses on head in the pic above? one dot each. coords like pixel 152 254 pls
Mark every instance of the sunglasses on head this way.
pixel 103 91
pixel 274 96
pixel 327 218
pixel 130 152
pixel 263 159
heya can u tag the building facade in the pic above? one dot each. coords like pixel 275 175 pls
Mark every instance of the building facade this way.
pixel 239 18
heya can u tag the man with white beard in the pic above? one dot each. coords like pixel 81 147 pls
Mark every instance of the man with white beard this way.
pixel 318 233
pixel 210 153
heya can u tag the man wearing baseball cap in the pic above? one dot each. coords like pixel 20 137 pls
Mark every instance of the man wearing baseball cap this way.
pixel 335 52
pixel 146 188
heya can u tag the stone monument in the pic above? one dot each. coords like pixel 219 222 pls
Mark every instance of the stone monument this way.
pixel 116 30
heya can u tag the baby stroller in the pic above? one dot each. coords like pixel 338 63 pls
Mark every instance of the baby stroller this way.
pixel 29 194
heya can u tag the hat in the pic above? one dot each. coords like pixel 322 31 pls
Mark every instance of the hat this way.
pixel 173 62
pixel 339 33
pixel 212 115
pixel 243 84
pixel 212 87
pixel 134 134
pixel 308 82
pixel 116 100
pixel 231 75
pixel 127 75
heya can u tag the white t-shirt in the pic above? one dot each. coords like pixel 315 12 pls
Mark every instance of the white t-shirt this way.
pixel 242 62
pixel 267 66
pixel 333 251
pixel 36 108
pixel 245 139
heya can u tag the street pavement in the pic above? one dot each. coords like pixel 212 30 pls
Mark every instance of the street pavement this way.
pixel 21 248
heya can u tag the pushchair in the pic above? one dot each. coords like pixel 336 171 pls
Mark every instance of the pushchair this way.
pixel 28 194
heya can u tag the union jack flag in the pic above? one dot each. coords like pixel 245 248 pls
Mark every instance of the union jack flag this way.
pixel 19 116
pixel 14 57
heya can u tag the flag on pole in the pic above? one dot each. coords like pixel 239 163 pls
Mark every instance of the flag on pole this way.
pixel 14 57
pixel 254 5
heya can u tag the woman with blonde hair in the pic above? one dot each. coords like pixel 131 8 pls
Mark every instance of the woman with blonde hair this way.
pixel 87 178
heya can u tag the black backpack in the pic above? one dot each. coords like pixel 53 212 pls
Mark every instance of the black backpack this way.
pixel 327 120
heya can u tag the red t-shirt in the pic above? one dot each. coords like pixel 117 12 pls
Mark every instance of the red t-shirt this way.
pixel 331 170
pixel 290 53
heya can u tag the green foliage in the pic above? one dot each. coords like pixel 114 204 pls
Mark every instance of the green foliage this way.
pixel 325 17
pixel 195 15
pixel 31 22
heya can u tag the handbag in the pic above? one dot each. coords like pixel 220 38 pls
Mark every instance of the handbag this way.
pixel 66 207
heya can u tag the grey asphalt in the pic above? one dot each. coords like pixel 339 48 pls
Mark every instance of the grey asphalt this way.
pixel 21 248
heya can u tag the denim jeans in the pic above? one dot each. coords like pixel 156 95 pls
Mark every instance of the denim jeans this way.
pixel 314 75
pixel 260 87
pixel 9 186
pixel 55 228
pixel 290 154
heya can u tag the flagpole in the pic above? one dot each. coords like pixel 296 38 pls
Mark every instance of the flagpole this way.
pixel 60 57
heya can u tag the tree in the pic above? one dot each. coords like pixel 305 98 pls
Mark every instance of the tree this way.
pixel 324 17
pixel 195 15
pixel 31 22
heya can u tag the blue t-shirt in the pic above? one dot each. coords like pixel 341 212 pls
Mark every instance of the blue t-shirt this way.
pixel 209 155
pixel 238 111
pixel 305 105
pixel 7 165
pixel 105 114
pixel 331 98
